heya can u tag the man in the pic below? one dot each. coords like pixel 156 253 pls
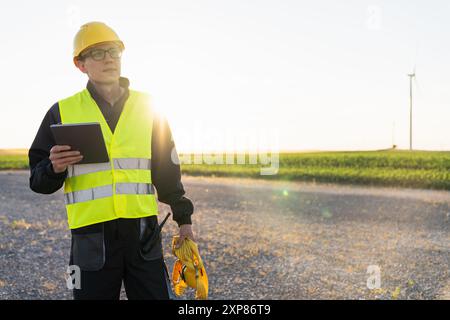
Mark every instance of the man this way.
pixel 111 207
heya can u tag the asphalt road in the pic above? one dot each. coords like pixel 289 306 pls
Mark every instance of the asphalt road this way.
pixel 259 240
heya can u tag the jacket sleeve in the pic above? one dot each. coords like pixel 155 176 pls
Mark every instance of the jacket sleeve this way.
pixel 43 179
pixel 166 174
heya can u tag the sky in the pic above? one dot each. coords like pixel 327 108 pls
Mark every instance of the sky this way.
pixel 246 75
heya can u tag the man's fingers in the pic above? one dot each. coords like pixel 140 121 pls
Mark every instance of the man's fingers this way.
pixel 64 157
pixel 64 154
pixel 59 148
pixel 67 161
pixel 190 235
pixel 180 241
pixel 72 160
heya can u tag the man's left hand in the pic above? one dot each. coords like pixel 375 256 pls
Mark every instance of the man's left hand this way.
pixel 185 232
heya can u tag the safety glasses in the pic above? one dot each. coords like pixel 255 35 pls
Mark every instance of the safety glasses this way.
pixel 99 54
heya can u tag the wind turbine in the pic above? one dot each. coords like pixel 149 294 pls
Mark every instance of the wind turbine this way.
pixel 411 76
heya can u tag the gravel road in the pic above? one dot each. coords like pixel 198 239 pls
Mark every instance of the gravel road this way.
pixel 259 240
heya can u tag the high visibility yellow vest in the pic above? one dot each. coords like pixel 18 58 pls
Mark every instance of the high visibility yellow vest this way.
pixel 121 188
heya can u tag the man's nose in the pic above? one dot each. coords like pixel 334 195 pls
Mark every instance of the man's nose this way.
pixel 108 57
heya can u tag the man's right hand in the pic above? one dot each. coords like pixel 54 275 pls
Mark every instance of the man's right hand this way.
pixel 61 157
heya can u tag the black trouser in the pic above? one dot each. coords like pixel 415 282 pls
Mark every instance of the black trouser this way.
pixel 110 252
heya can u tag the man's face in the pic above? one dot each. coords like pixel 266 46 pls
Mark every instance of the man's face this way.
pixel 106 70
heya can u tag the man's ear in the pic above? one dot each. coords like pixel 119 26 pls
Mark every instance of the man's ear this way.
pixel 81 65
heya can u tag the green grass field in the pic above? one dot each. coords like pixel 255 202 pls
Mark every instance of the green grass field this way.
pixel 13 159
pixel 417 169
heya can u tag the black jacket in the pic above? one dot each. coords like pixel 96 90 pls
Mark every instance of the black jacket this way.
pixel 166 175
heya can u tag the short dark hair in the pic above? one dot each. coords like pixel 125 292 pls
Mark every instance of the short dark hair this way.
pixel 80 58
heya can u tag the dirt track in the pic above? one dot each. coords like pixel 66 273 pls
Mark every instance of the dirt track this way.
pixel 259 240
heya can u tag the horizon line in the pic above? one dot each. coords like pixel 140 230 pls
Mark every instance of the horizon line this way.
pixel 22 150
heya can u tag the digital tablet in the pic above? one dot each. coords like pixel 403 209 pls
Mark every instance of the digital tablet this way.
pixel 84 137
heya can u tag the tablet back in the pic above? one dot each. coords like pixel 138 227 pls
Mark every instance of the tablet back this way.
pixel 84 137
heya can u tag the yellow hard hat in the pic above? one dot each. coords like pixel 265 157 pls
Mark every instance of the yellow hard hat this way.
pixel 188 270
pixel 93 33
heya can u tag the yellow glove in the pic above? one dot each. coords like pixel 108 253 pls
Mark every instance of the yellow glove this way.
pixel 189 270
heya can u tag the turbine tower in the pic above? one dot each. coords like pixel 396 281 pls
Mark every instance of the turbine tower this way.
pixel 411 76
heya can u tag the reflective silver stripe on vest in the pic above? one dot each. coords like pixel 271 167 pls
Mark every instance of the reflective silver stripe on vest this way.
pixel 121 163
pixel 134 188
pixel 79 169
pixel 133 163
pixel 89 194
pixel 106 191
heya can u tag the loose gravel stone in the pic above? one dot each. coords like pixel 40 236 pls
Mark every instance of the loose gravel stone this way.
pixel 258 239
